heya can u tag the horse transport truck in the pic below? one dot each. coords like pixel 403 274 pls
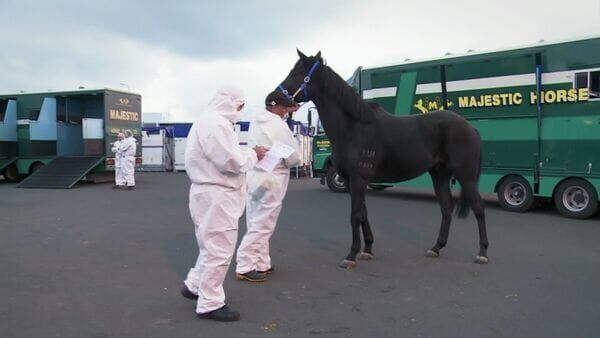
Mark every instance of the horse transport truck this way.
pixel 55 139
pixel 537 110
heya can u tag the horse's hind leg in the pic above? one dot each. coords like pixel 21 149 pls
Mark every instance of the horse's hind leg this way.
pixel 478 206
pixel 358 188
pixel 441 184
pixel 367 235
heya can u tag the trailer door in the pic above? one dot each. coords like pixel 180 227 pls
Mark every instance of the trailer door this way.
pixel 406 89
pixel 492 93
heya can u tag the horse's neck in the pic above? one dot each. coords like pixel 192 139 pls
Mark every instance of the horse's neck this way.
pixel 335 122
pixel 350 102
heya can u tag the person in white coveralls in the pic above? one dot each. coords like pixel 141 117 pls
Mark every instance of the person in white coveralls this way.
pixel 117 148
pixel 129 148
pixel 216 165
pixel 266 190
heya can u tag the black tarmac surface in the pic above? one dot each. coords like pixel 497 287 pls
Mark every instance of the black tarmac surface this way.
pixel 97 262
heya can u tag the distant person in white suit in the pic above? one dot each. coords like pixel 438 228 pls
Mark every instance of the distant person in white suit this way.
pixel 117 149
pixel 129 150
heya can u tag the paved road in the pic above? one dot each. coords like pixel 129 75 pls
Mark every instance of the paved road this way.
pixel 95 262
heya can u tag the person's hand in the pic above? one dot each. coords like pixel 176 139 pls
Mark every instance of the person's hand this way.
pixel 260 152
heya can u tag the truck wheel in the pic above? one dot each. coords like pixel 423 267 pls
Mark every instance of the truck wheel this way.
pixel 576 198
pixel 35 166
pixel 11 173
pixel 515 194
pixel 335 181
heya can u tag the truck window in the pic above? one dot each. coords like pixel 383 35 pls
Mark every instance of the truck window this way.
pixel 581 80
pixel 34 114
pixel 61 109
pixel 320 130
pixel 3 105
pixel 590 80
pixel 595 84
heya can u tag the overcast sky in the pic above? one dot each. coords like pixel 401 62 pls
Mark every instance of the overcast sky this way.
pixel 177 53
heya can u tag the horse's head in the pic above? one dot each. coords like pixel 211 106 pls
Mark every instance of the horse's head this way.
pixel 297 84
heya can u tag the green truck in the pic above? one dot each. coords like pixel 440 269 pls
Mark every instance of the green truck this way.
pixel 537 109
pixel 68 134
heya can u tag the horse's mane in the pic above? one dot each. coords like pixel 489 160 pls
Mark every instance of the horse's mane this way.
pixel 378 109
pixel 351 102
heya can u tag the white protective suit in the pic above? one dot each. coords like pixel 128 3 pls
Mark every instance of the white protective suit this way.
pixel 129 147
pixel 265 193
pixel 117 148
pixel 217 166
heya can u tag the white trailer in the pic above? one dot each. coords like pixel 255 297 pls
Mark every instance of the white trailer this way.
pixel 157 149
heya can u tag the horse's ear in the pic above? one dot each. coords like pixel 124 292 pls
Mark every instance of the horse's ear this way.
pixel 301 55
pixel 318 56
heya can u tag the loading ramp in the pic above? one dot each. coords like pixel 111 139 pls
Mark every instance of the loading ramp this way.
pixel 62 172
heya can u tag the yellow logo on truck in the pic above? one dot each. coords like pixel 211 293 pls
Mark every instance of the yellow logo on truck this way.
pixel 512 99
pixel 116 131
pixel 491 100
pixel 561 96
pixel 426 106
pixel 123 115
pixel 323 144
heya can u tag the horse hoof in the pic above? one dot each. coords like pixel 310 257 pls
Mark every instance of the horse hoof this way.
pixel 348 264
pixel 366 256
pixel 481 260
pixel 432 254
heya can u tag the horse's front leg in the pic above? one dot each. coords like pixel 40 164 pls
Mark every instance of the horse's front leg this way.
pixel 357 194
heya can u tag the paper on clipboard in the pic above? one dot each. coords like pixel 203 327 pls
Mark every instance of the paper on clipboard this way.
pixel 272 157
pixel 281 150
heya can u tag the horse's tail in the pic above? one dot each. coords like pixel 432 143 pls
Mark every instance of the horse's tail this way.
pixel 480 157
pixel 463 205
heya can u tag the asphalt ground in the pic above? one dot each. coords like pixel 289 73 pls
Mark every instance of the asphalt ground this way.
pixel 97 262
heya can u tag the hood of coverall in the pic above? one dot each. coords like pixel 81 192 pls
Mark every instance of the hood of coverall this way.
pixel 226 102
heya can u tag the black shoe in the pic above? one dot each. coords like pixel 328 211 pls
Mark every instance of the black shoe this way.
pixel 252 276
pixel 223 314
pixel 268 271
pixel 118 186
pixel 130 187
pixel 187 293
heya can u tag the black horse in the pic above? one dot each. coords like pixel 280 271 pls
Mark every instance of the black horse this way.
pixel 371 145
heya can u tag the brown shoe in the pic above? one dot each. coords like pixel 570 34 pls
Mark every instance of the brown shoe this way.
pixel 252 276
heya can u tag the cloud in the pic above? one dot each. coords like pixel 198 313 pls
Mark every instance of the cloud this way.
pixel 168 81
pixel 187 84
pixel 390 31
pixel 176 54
pixel 201 29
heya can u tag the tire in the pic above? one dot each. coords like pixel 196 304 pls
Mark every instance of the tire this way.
pixel 576 198
pixel 515 194
pixel 335 182
pixel 11 173
pixel 35 166
pixel 378 187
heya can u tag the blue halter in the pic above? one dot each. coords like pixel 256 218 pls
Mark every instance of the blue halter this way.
pixel 302 87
